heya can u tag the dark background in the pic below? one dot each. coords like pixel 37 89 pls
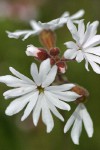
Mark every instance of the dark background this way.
pixel 17 135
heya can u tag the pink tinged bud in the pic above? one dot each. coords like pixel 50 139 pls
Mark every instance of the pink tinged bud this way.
pixel 32 51
pixel 61 67
pixel 54 51
pixel 38 53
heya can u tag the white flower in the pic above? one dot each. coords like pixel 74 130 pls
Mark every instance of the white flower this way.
pixel 38 95
pixel 79 115
pixel 37 27
pixel 85 45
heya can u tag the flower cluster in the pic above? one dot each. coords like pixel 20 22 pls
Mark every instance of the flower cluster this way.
pixel 48 91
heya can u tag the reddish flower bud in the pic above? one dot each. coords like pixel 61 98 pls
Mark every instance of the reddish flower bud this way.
pixel 52 61
pixel 42 55
pixel 61 67
pixel 54 51
pixel 38 53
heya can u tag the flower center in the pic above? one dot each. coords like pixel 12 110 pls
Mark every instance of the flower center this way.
pixel 41 90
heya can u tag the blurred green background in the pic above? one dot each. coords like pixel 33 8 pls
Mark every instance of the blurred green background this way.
pixel 17 135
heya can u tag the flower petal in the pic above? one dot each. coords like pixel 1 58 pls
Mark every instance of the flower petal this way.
pixel 88 124
pixel 30 105
pixel 78 14
pixel 44 69
pixel 66 96
pixel 71 45
pixel 12 81
pixel 47 117
pixel 70 54
pixel 95 67
pixel 92 42
pixel 81 30
pixel 72 28
pixel 65 14
pixel 35 25
pixel 18 33
pixel 56 102
pixel 76 130
pixel 50 77
pixel 69 123
pixel 94 26
pixel 55 111
pixel 91 57
pixel 80 56
pixel 37 109
pixel 21 76
pixel 86 34
pixel 86 64
pixel 18 92
pixel 94 50
pixel 18 104
pixel 29 34
pixel 35 74
pixel 59 88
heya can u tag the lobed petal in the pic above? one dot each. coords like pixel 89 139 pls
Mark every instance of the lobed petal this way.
pixel 71 45
pixel 60 88
pixel 88 124
pixel 12 81
pixel 78 14
pixel 65 96
pixel 35 74
pixel 94 50
pixel 69 123
pixel 30 106
pixel 70 53
pixel 46 116
pixel 79 56
pixel 37 109
pixel 18 92
pixel 44 70
pixel 50 77
pixel 21 76
pixel 95 40
pixel 18 33
pixel 76 131
pixel 18 104
pixel 55 111
pixel 56 102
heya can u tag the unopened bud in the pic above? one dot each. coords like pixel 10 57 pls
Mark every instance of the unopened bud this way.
pixel 52 61
pixel 61 67
pixel 38 53
pixel 54 51
pixel 81 91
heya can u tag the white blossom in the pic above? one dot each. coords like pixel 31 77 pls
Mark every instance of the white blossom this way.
pixel 85 46
pixel 38 95
pixel 80 115
pixel 37 27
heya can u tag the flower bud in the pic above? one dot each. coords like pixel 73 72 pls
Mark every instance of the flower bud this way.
pixel 61 66
pixel 52 61
pixel 38 53
pixel 54 51
pixel 81 91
